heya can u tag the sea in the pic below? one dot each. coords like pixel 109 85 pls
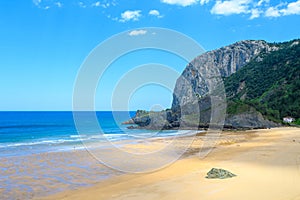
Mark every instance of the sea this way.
pixel 23 133
pixel 41 153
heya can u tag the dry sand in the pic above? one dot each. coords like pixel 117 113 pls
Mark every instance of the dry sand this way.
pixel 266 162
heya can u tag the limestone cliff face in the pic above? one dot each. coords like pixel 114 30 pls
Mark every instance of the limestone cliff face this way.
pixel 205 70
pixel 198 99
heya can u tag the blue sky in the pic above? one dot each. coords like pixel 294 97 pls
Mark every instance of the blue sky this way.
pixel 44 42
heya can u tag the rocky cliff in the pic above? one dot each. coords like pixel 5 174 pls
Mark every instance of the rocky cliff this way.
pixel 201 73
pixel 200 87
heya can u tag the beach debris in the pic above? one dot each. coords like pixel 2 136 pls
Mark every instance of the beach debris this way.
pixel 219 173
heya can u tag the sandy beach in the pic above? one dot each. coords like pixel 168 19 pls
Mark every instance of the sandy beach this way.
pixel 266 162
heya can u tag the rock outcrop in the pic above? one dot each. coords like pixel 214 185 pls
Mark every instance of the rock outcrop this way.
pixel 200 81
pixel 252 120
pixel 200 74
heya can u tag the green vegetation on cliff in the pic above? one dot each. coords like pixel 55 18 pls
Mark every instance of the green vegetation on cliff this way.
pixel 270 83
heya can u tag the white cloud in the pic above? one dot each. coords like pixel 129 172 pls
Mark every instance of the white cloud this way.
pixel 96 4
pixel 272 12
pixel 47 4
pixel 255 13
pixel 292 9
pixel 105 5
pixel 58 4
pixel 155 13
pixel 180 2
pixel 231 7
pixel 250 8
pixel 202 2
pixel 137 32
pixel 254 8
pixel 37 2
pixel 128 15
pixel 262 2
pixel 81 4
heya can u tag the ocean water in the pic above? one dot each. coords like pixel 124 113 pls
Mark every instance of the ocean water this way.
pixel 41 153
pixel 27 133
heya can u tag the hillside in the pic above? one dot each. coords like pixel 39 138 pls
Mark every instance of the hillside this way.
pixel 270 83
pixel 261 81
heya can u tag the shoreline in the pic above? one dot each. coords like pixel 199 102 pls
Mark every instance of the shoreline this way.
pixel 27 176
pixel 261 159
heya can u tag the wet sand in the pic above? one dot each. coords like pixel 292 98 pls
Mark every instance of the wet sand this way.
pixel 266 162
pixel 27 177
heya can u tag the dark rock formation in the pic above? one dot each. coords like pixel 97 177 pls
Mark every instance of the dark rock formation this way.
pixel 251 120
pixel 130 121
pixel 156 120
pixel 219 174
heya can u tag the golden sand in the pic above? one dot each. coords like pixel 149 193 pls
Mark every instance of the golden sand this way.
pixel 266 162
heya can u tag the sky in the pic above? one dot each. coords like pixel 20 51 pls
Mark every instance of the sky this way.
pixel 43 43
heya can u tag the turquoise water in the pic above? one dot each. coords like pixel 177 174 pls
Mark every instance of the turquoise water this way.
pixel 41 153
pixel 23 133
